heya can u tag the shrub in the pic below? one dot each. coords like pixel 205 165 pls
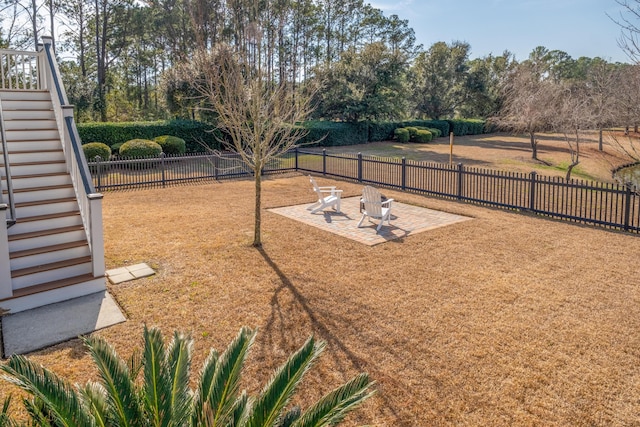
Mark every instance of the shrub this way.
pixel 412 131
pixel 422 135
pixel 197 135
pixel 115 148
pixel 443 125
pixel 140 148
pixel 94 149
pixel 401 134
pixel 436 132
pixel 171 144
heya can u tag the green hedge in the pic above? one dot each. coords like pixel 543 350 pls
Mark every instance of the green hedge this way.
pixel 331 134
pixel 382 131
pixel 441 125
pixel 194 133
pixel 463 127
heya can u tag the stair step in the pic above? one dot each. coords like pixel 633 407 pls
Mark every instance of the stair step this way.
pixel 28 104
pixel 34 135
pixel 44 222
pixel 48 267
pixel 43 287
pixel 45 114
pixel 23 168
pixel 42 233
pixel 39 180
pixel 46 249
pixel 44 156
pixel 45 207
pixel 22 95
pixel 42 188
pixel 44 144
pixel 30 124
pixel 35 194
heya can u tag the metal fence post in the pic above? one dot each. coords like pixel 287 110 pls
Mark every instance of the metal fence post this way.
pixel 324 161
pixel 98 172
pixel 359 167
pixel 460 177
pixel 162 169
pixel 627 207
pixel 216 162
pixel 532 191
pixel 296 151
pixel 404 173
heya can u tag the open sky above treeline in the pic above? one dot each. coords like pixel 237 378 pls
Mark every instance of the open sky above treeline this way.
pixel 578 27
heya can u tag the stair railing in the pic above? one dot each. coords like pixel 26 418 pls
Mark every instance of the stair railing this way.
pixel 89 200
pixel 6 171
pixel 19 70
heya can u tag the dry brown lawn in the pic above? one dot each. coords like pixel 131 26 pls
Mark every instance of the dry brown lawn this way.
pixel 512 153
pixel 506 319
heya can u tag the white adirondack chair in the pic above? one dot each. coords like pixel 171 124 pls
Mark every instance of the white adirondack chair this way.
pixel 327 197
pixel 374 207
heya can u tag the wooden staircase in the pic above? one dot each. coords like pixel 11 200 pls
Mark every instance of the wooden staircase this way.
pixel 49 254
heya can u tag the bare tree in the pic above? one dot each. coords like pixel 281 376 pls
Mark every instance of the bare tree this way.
pixel 629 19
pixel 259 116
pixel 575 113
pixel 525 109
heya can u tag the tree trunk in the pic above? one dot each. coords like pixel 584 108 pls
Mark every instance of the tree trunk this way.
pixel 600 139
pixel 534 146
pixel 257 172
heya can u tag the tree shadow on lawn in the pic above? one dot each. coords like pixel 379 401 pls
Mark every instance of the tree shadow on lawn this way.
pixel 333 340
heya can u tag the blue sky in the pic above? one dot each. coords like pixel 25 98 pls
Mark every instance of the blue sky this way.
pixel 578 27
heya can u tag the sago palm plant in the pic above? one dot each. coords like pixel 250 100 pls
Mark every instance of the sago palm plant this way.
pixel 163 397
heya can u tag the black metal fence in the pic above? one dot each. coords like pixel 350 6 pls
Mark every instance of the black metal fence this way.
pixel 607 205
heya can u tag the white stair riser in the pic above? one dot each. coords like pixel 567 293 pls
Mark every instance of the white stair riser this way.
pixel 38 169
pixel 49 257
pixel 50 275
pixel 32 95
pixel 30 125
pixel 49 208
pixel 45 224
pixel 28 115
pixel 53 144
pixel 17 305
pixel 22 105
pixel 39 181
pixel 42 195
pixel 36 156
pixel 43 241
pixel 32 135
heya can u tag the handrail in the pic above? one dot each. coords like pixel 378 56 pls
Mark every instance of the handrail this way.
pixel 7 172
pixel 19 70
pixel 88 200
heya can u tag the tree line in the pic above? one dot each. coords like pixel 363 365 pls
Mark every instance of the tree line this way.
pixel 121 61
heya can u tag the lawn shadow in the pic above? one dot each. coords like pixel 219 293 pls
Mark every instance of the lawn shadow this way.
pixel 331 338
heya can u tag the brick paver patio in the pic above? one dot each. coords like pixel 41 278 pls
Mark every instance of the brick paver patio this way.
pixel 405 220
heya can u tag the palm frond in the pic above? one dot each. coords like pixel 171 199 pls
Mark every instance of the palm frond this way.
pixel 179 364
pixel 240 410
pixel 5 419
pixel 122 398
pixel 335 405
pixel 290 417
pixel 95 398
pixel 57 396
pixel 204 386
pixel 277 393
pixel 135 364
pixel 35 410
pixel 226 379
pixel 156 389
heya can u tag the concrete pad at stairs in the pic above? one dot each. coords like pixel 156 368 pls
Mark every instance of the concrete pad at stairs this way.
pixel 41 327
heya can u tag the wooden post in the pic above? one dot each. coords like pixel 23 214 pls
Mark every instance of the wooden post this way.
pixel 450 148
